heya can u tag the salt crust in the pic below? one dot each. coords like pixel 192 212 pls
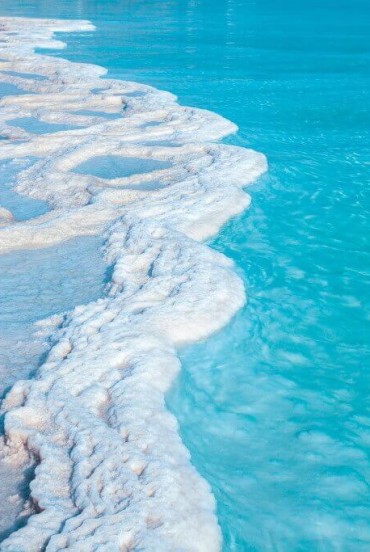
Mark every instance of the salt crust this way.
pixel 112 473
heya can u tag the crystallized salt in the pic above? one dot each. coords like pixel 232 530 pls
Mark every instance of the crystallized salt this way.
pixel 112 473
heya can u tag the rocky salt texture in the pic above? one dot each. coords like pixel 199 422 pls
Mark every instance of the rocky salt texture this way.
pixel 111 471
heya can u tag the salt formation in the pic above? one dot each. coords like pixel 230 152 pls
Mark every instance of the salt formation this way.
pixel 112 473
pixel 5 216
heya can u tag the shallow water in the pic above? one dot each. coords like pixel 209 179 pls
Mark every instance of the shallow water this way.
pixel 35 284
pixel 33 76
pixel 274 409
pixel 20 206
pixel 8 89
pixel 115 166
pixel 31 124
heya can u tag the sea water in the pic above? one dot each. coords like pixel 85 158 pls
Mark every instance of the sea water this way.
pixel 274 408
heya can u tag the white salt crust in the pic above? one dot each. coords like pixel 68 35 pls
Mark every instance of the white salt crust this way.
pixel 112 473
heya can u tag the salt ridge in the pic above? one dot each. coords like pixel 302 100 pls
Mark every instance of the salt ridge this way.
pixel 112 473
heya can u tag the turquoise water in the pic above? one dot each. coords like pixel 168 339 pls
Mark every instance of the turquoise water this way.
pixel 275 408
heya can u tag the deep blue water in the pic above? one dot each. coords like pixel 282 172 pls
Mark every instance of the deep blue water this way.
pixel 275 408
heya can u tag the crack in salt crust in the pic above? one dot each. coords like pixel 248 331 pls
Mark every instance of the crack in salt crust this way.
pixel 112 473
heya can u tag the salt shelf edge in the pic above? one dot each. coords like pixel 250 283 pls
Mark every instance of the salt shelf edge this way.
pixel 112 472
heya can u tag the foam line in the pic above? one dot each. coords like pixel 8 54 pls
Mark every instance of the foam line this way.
pixel 112 473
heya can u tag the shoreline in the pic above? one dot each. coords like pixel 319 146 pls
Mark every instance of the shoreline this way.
pixel 105 434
